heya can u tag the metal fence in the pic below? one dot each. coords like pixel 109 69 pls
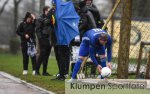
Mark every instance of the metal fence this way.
pixel 139 32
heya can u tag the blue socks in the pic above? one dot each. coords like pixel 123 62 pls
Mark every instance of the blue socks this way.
pixel 76 68
pixel 78 65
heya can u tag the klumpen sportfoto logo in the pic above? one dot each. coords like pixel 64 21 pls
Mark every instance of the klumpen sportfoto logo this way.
pixel 106 86
pixel 92 84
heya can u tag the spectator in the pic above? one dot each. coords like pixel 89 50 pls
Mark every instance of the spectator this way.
pixel 87 21
pixel 43 31
pixel 63 58
pixel 26 31
pixel 51 16
pixel 93 9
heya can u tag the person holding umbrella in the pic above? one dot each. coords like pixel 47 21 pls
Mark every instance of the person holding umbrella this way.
pixel 26 31
pixel 66 29
pixel 51 16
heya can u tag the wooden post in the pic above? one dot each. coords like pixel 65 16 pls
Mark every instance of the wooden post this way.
pixel 147 75
pixel 112 24
pixel 124 43
pixel 143 43
pixel 112 21
pixel 139 59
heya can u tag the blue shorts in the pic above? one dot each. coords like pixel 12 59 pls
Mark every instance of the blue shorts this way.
pixel 85 47
pixel 84 51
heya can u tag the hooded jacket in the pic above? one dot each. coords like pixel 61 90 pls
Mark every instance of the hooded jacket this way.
pixel 87 21
pixel 26 28
pixel 97 17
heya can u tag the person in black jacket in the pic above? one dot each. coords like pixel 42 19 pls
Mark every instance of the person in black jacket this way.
pixel 62 52
pixel 93 9
pixel 87 21
pixel 43 31
pixel 26 31
pixel 51 16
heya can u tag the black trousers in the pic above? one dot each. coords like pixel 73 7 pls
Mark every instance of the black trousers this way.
pixel 64 59
pixel 45 49
pixel 57 56
pixel 24 48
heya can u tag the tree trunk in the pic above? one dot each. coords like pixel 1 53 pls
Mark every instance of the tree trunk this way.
pixel 16 4
pixel 15 15
pixel 14 43
pixel 124 43
pixel 42 4
pixel 3 7
pixel 33 6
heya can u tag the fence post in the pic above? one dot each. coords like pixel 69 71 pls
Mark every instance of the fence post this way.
pixel 124 42
pixel 147 75
pixel 139 59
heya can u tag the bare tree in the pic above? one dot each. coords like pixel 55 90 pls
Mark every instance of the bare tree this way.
pixel 3 7
pixel 14 44
pixel 16 4
pixel 124 43
pixel 33 6
pixel 42 4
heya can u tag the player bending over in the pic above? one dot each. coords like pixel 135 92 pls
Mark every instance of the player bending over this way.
pixel 94 42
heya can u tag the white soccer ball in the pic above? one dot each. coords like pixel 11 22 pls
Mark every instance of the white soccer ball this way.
pixel 105 72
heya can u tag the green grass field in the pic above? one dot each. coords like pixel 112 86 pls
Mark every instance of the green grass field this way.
pixel 13 64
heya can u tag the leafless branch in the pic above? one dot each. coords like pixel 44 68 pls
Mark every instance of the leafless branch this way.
pixel 3 7
pixel 18 1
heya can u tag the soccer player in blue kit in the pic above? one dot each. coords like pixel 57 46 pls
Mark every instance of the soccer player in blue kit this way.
pixel 94 41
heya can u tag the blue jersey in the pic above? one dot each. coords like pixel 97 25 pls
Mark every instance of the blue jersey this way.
pixel 95 47
pixel 91 45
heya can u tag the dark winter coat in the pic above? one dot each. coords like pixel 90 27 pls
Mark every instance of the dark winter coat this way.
pixel 43 27
pixel 26 28
pixel 87 21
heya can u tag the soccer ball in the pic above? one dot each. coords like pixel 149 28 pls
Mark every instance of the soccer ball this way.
pixel 105 72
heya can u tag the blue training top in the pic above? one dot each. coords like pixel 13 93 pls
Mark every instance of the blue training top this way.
pixel 92 36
